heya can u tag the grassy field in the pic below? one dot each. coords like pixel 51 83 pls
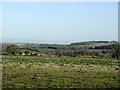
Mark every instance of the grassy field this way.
pixel 59 72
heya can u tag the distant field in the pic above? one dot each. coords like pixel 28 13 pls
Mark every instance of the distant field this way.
pixel 96 44
pixel 59 72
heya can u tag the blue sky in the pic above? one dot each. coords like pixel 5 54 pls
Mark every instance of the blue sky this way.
pixel 1 22
pixel 59 22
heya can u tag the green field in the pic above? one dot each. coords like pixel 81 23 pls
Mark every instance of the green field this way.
pixel 59 72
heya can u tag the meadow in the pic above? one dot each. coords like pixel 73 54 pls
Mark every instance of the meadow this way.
pixel 59 72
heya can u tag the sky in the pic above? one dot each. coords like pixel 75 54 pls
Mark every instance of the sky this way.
pixel 0 22
pixel 59 22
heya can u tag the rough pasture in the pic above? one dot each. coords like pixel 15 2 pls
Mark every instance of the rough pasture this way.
pixel 59 72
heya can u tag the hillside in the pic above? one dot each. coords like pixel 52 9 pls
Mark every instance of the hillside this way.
pixel 89 48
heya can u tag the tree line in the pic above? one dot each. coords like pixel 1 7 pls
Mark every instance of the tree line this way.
pixel 113 52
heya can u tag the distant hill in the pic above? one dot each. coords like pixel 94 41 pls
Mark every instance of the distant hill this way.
pixel 105 47
pixel 72 46
pixel 93 42
pixel 90 48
